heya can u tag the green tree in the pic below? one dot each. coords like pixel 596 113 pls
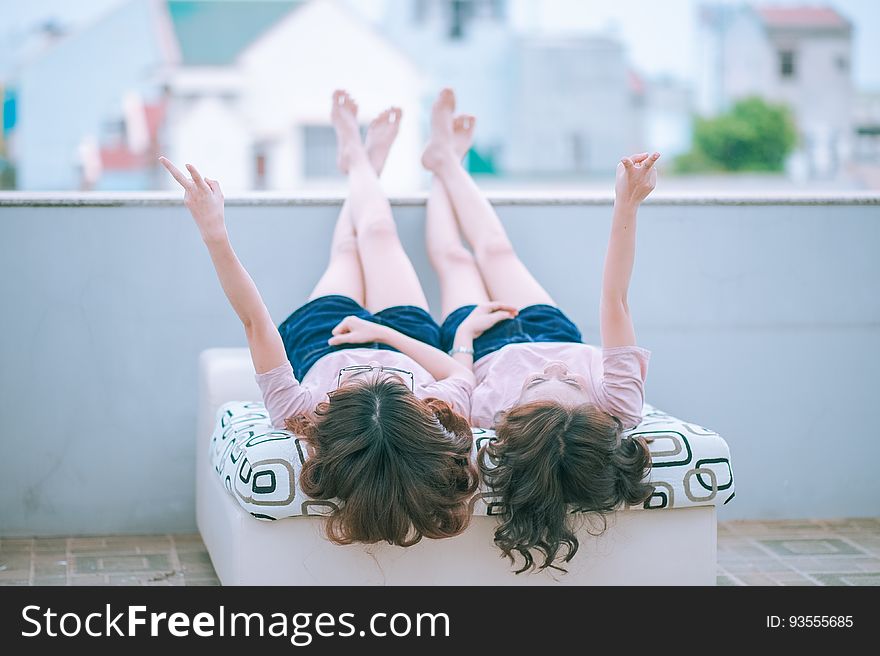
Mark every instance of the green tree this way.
pixel 753 136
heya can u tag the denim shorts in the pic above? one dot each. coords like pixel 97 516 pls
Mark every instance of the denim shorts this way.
pixel 306 331
pixel 535 323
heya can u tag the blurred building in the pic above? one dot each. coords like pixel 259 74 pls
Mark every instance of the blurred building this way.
pixel 667 115
pixel 799 56
pixel 69 96
pixel 577 107
pixel 547 106
pixel 468 45
pixel 259 115
pixel 241 88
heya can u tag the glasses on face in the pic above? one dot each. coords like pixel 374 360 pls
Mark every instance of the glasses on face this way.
pixel 358 368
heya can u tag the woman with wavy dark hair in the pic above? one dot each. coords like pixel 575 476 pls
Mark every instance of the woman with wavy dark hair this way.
pixel 559 406
pixel 357 370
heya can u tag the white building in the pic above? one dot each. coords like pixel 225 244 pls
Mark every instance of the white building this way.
pixel 799 56
pixel 262 120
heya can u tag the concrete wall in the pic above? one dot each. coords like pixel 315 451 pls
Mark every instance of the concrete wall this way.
pixel 763 317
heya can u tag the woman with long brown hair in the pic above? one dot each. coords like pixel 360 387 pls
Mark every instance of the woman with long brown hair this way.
pixel 558 406
pixel 357 370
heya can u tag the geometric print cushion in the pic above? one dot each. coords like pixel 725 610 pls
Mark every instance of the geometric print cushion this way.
pixel 259 465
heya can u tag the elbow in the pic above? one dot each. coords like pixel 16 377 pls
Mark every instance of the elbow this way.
pixel 615 301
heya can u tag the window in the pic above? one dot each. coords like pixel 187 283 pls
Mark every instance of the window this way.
pixel 458 17
pixel 260 173
pixel 319 152
pixel 786 63
pixel 420 11
pixel 579 151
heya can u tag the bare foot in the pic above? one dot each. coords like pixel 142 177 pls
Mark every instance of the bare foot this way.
pixel 440 146
pixel 463 134
pixel 380 136
pixel 348 136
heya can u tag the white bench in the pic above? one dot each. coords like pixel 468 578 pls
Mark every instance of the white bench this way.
pixel 672 546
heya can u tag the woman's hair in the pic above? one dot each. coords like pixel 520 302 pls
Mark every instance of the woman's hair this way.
pixel 551 460
pixel 400 465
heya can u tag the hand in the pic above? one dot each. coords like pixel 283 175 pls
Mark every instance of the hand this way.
pixel 203 199
pixel 354 330
pixel 486 315
pixel 636 177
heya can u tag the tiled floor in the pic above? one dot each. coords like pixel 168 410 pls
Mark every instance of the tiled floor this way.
pixel 129 560
pixel 801 552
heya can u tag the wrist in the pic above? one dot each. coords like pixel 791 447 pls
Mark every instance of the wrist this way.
pixel 385 335
pixel 464 334
pixel 626 203
pixel 215 235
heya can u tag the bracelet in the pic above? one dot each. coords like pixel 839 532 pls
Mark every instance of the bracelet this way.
pixel 461 349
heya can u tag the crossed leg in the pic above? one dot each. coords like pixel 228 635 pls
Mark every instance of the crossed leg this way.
pixel 344 274
pixel 388 275
pixel 460 280
pixel 505 276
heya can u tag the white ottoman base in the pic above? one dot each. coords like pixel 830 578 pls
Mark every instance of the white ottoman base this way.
pixel 665 547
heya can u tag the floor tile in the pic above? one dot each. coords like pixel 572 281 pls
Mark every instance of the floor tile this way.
pixel 849 578
pixel 810 547
pixel 837 551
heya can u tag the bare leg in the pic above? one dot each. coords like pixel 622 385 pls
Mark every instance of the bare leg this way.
pixel 389 276
pixel 344 274
pixel 506 277
pixel 460 280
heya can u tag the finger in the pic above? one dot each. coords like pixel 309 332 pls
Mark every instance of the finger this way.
pixel 627 163
pixel 338 339
pixel 505 307
pixel 176 173
pixel 344 326
pixel 499 316
pixel 196 176
pixel 641 157
pixel 652 159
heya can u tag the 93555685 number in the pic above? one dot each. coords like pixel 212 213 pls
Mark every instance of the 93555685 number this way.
pixel 810 622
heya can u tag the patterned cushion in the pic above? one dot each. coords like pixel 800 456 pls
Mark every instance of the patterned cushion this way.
pixel 259 465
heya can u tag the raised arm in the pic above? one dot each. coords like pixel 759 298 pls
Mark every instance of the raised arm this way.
pixel 204 199
pixel 354 330
pixel 636 178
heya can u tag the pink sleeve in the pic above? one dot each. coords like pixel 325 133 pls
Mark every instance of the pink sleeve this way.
pixel 622 392
pixel 283 396
pixel 455 391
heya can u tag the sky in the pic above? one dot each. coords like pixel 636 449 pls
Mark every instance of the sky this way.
pixel 660 36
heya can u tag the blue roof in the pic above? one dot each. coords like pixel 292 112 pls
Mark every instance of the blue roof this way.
pixel 214 32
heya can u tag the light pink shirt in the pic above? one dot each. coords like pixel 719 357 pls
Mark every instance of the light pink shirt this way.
pixel 285 397
pixel 615 377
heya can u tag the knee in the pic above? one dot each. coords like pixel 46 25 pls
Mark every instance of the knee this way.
pixel 494 247
pixel 381 230
pixel 445 256
pixel 345 246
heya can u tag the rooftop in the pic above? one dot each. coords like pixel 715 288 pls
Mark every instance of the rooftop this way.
pixel 802 17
